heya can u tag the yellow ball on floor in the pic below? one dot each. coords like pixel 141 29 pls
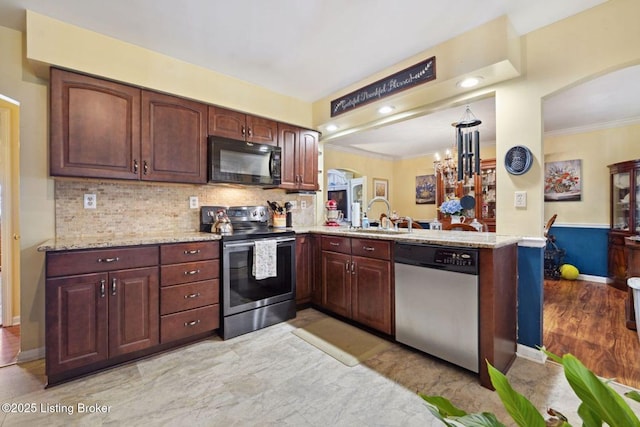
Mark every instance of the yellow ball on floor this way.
pixel 569 272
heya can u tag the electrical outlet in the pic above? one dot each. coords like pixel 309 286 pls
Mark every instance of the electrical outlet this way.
pixel 303 204
pixel 520 199
pixel 193 202
pixel 90 201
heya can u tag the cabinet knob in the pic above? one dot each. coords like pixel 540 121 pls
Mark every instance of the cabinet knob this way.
pixel 250 132
pixel 135 166
pixel 145 167
pixel 244 131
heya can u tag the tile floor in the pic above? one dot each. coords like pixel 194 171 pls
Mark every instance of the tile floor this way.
pixel 267 378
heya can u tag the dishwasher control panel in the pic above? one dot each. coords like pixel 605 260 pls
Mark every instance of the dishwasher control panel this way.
pixel 461 260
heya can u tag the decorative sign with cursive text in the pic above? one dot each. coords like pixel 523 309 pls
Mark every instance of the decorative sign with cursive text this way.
pixel 422 72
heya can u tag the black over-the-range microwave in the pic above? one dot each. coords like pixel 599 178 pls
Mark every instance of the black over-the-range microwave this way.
pixel 239 162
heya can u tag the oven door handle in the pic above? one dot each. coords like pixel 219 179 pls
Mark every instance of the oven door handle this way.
pixel 250 243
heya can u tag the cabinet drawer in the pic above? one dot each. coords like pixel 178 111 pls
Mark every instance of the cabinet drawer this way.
pixel 190 322
pixel 379 249
pixel 189 272
pixel 191 295
pixel 95 261
pixel 336 244
pixel 188 252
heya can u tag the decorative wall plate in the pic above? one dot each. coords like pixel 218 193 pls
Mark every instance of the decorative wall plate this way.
pixel 518 160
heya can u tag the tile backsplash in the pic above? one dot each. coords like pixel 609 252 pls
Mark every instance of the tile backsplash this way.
pixel 152 208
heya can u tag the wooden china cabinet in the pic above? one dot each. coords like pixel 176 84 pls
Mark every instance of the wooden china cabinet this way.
pixel 625 217
pixel 482 186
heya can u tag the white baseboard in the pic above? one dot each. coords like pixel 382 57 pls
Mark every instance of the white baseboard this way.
pixel 530 353
pixel 597 279
pixel 29 355
pixel 16 320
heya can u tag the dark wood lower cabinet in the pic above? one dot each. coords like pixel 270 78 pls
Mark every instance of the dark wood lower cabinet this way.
pixel 355 286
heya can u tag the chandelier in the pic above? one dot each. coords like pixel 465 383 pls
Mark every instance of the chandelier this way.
pixel 460 163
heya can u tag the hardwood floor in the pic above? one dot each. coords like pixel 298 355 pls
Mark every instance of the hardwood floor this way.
pixel 587 319
pixel 9 345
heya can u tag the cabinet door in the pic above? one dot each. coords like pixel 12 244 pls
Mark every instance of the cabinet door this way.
pixel 288 143
pixel 174 139
pixel 227 123
pixel 76 319
pixel 336 282
pixel 262 131
pixel 134 310
pixel 617 260
pixel 371 293
pixel 95 127
pixel 304 268
pixel 308 160
pixel 486 194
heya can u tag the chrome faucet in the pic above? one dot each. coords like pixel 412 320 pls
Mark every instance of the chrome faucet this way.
pixel 409 222
pixel 382 199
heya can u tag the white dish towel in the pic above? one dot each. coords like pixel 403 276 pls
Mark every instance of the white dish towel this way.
pixel 265 262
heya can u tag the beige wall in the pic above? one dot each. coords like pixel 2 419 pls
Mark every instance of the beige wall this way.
pixel 596 149
pixel 576 49
pixel 36 189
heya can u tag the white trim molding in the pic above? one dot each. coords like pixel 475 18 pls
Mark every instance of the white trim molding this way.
pixel 533 242
pixel 596 279
pixel 530 353
pixel 29 355
pixel 578 225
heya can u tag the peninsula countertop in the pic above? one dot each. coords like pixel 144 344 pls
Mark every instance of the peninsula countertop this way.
pixel 437 237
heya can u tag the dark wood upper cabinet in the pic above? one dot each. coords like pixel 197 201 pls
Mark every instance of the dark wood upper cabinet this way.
pixel 95 127
pixel 174 139
pixel 299 158
pixel 241 126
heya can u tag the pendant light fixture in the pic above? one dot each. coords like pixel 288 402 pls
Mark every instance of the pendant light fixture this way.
pixel 468 145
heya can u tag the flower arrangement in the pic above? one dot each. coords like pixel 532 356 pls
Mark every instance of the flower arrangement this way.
pixel 560 180
pixel 451 207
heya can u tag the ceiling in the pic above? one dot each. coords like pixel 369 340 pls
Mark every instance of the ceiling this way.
pixel 310 49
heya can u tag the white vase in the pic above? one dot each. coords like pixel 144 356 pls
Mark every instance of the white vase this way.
pixel 457 219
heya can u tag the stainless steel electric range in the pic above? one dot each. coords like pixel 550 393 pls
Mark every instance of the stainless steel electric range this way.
pixel 249 304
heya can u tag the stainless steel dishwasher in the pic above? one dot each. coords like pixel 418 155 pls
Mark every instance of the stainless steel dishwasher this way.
pixel 436 301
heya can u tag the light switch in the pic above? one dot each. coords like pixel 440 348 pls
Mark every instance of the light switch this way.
pixel 520 200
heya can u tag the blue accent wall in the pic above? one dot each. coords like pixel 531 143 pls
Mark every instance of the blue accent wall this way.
pixel 530 295
pixel 586 248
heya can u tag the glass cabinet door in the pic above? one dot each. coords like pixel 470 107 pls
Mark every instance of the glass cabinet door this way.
pixel 488 179
pixel 468 189
pixel 621 184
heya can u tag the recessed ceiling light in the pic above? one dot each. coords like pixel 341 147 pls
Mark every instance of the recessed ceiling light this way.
pixel 386 109
pixel 331 128
pixel 470 82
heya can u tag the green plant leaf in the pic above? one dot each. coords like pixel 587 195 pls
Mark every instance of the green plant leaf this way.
pixel 436 413
pixel 633 395
pixel 485 419
pixel 597 396
pixel 521 410
pixel 589 418
pixel 551 356
pixel 444 406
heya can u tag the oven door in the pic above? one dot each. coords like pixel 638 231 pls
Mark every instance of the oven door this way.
pixel 240 289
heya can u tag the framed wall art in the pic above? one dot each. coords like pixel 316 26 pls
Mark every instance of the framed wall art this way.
pixel 425 189
pixel 563 181
pixel 381 188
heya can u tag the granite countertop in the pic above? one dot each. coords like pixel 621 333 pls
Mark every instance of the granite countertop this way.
pixel 437 237
pixel 111 240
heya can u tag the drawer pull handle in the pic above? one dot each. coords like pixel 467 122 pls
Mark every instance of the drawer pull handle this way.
pixel 196 295
pixel 368 248
pixel 114 286
pixel 109 259
pixel 334 244
pixel 191 273
pixel 196 251
pixel 192 323
pixel 102 288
